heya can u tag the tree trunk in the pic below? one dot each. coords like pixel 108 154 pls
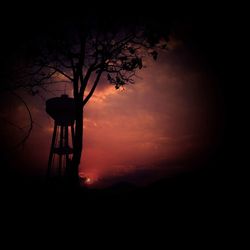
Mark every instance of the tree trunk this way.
pixel 77 144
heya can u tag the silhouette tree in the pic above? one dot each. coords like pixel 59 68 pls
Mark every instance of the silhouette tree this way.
pixel 84 50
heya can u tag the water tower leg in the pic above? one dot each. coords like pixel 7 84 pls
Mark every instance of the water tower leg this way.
pixel 60 153
pixel 51 150
pixel 67 144
pixel 72 134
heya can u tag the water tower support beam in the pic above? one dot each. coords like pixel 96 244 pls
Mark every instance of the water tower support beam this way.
pixel 61 146
pixel 51 149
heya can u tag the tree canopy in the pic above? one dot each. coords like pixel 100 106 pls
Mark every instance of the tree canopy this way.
pixel 76 49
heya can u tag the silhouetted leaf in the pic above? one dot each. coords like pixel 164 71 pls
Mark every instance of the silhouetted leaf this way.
pixel 109 77
pixel 123 58
pixel 154 55
pixel 139 63
pixel 131 50
pixel 164 46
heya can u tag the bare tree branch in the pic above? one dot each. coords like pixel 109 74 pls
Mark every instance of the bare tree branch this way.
pixel 59 71
pixel 84 80
pixel 93 87
pixel 30 123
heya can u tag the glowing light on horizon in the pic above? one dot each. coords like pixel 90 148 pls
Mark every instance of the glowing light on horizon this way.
pixel 88 181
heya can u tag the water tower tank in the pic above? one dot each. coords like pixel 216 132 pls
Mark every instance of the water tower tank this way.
pixel 61 109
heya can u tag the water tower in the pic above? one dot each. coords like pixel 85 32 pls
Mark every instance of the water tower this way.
pixel 62 110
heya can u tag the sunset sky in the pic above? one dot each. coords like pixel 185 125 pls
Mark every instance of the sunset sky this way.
pixel 159 153
pixel 169 116
pixel 176 113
